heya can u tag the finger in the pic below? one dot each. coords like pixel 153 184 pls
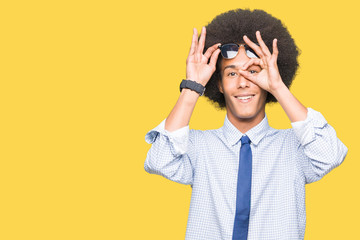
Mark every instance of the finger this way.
pixel 202 41
pixel 214 58
pixel 248 76
pixel 253 61
pixel 193 42
pixel 210 51
pixel 248 63
pixel 263 46
pixel 275 51
pixel 253 46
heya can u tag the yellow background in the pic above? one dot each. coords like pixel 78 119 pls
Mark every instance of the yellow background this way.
pixel 83 81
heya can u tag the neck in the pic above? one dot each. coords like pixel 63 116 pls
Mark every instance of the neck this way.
pixel 245 124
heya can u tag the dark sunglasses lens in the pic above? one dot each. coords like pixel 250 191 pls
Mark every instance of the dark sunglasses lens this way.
pixel 229 51
pixel 250 52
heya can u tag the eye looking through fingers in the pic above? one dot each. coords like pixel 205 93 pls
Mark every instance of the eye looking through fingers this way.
pixel 253 69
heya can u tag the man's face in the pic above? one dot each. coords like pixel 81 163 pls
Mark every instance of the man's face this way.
pixel 245 101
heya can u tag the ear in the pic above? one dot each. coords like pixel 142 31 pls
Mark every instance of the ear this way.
pixel 219 75
pixel 220 86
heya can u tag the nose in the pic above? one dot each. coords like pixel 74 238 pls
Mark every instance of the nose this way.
pixel 243 58
pixel 243 82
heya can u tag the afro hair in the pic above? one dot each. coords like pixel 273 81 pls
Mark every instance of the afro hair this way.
pixel 231 26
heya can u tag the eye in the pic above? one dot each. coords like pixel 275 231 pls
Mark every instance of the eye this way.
pixel 254 69
pixel 232 74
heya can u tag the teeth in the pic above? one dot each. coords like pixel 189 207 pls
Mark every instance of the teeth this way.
pixel 244 98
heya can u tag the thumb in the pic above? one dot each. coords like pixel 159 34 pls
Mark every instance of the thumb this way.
pixel 249 76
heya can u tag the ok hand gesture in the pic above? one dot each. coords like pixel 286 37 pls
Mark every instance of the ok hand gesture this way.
pixel 269 77
pixel 198 67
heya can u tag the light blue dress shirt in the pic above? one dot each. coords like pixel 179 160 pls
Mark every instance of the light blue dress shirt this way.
pixel 283 162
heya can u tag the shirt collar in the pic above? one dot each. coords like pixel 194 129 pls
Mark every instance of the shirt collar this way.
pixel 233 135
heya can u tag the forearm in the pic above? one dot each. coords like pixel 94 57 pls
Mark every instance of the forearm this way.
pixel 199 68
pixel 292 107
pixel 169 155
pixel 181 113
pixel 321 150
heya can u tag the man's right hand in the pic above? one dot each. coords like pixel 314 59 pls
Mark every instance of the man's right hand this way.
pixel 198 67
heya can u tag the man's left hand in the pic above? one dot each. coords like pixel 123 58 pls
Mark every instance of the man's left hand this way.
pixel 269 77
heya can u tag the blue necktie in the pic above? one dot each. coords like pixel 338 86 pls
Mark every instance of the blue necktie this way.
pixel 241 224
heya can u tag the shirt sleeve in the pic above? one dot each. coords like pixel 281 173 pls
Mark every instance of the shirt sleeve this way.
pixel 320 147
pixel 169 154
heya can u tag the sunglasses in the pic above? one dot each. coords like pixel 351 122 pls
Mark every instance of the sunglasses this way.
pixel 231 50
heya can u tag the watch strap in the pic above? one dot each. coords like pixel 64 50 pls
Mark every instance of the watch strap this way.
pixel 192 85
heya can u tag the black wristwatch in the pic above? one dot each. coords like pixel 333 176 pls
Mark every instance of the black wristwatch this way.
pixel 192 85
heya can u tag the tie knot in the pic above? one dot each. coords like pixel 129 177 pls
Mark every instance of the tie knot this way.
pixel 245 140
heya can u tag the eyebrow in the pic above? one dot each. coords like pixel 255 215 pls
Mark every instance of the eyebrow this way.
pixel 235 67
pixel 231 66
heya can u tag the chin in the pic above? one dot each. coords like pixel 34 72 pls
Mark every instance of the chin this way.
pixel 246 116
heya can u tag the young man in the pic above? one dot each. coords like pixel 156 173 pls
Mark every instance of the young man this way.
pixel 248 179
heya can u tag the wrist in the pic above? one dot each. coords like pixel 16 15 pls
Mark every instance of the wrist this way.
pixel 188 98
pixel 279 90
pixel 203 83
pixel 192 85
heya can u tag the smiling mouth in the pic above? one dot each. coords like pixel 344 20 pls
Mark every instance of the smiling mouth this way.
pixel 245 98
